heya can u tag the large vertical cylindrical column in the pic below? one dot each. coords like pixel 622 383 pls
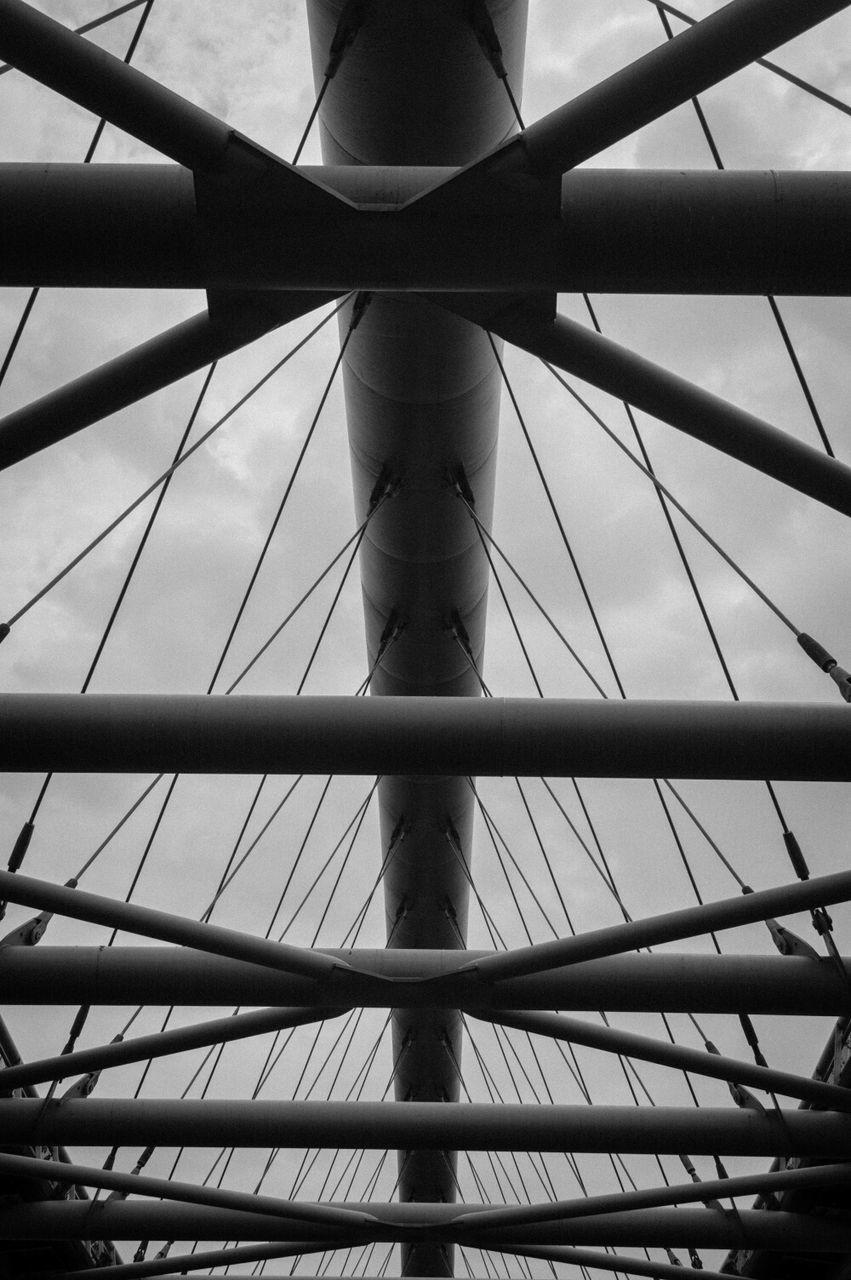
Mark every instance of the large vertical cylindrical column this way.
pixel 422 398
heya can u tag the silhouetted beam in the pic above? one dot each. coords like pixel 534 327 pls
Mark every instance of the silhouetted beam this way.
pixel 334 1216
pixel 646 1049
pixel 151 733
pixel 603 1261
pixel 586 1257
pixel 160 1044
pixel 105 85
pixel 149 923
pixel 653 232
pixel 431 1125
pixel 145 369
pixel 128 1220
pixel 682 404
pixel 200 1260
pixel 691 922
pixel 479 1221
pixel 639 983
pixel 654 84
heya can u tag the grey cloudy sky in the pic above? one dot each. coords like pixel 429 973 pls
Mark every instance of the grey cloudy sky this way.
pixel 249 63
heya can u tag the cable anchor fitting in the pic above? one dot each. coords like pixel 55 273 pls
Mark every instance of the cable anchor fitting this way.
pixel 796 856
pixel 788 943
pixel 827 662
pixel 485 32
pixel 350 23
pixel 359 306
pixel 459 482
pixel 822 922
pixel 29 933
pixel 81 1088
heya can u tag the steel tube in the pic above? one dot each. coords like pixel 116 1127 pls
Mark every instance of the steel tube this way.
pixel 159 1045
pixel 149 923
pixel 147 733
pixel 201 1260
pixel 620 372
pixel 155 364
pixel 698 1061
pixel 479 1221
pixel 333 1216
pixel 596 944
pixel 727 913
pixel 638 983
pixel 427 1125
pixel 125 1220
pixel 103 84
pixel 654 84
pixel 649 232
pixel 607 1262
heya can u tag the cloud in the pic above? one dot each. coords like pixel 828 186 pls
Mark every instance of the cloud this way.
pixel 251 65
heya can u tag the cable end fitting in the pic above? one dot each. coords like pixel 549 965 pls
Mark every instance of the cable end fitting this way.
pixel 459 482
pixel 841 677
pixel 816 651
pixel 4 631
pixel 21 845
pixel 827 662
pixel 796 856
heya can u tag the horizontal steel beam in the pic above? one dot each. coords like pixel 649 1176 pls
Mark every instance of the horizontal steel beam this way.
pixel 147 733
pixel 581 1257
pixel 127 1220
pixel 654 232
pixel 682 404
pixel 726 913
pixel 432 1125
pixel 647 1049
pixel 638 983
pixel 145 369
pixel 476 1221
pixel 109 87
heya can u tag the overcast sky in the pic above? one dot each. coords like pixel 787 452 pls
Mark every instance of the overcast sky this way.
pixel 249 63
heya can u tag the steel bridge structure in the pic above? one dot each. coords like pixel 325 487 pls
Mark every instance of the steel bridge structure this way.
pixel 440 237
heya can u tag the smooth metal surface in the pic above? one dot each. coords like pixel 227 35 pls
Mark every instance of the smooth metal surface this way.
pixel 422 403
pixel 704 55
pixel 698 1061
pixel 152 733
pixel 519 1216
pixel 656 231
pixel 443 1126
pixel 702 1227
pixel 150 923
pixel 335 1216
pixel 689 922
pixel 638 983
pixel 622 373
pixel 160 1044
pixel 105 85
pixel 155 364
